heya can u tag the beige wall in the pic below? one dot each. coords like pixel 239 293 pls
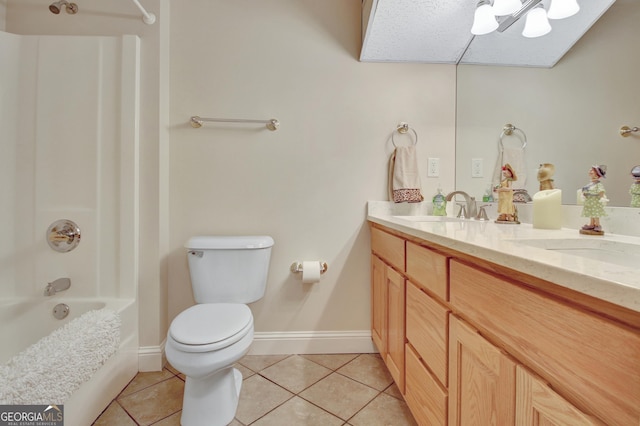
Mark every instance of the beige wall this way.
pixel 306 184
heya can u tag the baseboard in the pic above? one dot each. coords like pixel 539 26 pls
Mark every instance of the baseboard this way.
pixel 312 342
pixel 151 358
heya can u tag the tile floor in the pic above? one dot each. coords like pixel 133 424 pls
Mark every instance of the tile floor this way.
pixel 323 390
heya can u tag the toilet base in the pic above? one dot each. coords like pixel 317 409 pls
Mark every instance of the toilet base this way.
pixel 211 400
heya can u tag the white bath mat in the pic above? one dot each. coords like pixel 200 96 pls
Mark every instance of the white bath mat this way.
pixel 50 370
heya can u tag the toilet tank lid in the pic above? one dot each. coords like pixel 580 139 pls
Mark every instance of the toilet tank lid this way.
pixel 229 242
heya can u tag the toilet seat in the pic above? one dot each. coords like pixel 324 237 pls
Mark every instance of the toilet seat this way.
pixel 210 326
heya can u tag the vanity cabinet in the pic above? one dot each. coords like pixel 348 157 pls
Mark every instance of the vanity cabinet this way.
pixel 591 360
pixel 484 344
pixel 388 302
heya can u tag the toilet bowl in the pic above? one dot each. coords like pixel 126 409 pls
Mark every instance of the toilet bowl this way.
pixel 203 343
pixel 205 340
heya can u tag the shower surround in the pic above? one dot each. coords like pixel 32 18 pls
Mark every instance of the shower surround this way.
pixel 69 114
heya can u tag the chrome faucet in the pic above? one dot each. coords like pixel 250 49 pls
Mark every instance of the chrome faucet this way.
pixel 470 201
pixel 60 284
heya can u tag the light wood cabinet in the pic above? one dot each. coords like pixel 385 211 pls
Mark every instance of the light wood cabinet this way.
pixel 594 362
pixel 538 405
pixel 388 294
pixel 427 330
pixel 428 270
pixel 472 343
pixel 389 248
pixel 482 385
pixel 396 327
pixel 425 396
pixel 379 305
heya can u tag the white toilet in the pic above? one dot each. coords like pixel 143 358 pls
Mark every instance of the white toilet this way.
pixel 205 340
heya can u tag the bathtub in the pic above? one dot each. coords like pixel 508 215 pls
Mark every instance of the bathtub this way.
pixel 37 321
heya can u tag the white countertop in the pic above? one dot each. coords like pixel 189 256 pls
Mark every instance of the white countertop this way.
pixel 498 243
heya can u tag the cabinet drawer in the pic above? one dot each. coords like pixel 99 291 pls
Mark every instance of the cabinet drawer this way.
pixel 589 360
pixel 427 330
pixel 428 270
pixel 388 247
pixel 426 399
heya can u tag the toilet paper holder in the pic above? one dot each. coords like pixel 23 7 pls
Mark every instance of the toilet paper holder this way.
pixel 297 267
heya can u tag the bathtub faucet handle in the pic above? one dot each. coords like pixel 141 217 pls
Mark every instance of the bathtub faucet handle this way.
pixel 60 284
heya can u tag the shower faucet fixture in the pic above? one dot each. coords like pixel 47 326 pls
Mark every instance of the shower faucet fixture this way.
pixel 61 284
pixel 71 8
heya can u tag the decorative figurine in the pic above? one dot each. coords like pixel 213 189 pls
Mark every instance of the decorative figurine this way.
pixel 593 207
pixel 635 187
pixel 545 173
pixel 507 212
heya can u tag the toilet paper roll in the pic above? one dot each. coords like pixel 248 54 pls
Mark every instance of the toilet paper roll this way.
pixel 310 271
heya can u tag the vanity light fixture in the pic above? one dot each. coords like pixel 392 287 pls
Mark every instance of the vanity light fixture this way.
pixel 484 20
pixel 506 7
pixel 537 23
pixel 560 9
pixel 485 16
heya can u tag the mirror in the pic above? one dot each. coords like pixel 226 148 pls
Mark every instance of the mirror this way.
pixel 571 113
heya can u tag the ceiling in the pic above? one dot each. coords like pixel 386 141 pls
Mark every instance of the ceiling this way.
pixel 438 31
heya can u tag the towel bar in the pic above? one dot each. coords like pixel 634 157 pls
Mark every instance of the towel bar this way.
pixel 196 122
pixel 626 130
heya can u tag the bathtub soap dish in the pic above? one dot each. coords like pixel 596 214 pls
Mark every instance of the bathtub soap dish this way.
pixel 63 235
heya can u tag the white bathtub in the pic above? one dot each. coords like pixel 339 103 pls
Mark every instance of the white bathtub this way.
pixel 36 320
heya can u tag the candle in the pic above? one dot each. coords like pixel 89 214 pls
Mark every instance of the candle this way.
pixel 547 209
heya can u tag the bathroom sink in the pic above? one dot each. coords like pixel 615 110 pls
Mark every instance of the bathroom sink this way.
pixel 616 252
pixel 430 218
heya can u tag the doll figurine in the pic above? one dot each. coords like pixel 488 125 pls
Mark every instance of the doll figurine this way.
pixel 545 173
pixel 507 212
pixel 635 187
pixel 593 208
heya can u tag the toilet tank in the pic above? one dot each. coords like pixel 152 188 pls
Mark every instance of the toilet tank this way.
pixel 229 269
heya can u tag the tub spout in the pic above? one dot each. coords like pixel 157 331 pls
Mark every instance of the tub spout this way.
pixel 60 284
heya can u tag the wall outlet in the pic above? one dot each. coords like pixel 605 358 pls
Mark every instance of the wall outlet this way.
pixel 477 168
pixel 433 169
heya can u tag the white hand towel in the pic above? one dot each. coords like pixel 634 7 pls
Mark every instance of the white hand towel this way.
pixel 404 178
pixel 515 157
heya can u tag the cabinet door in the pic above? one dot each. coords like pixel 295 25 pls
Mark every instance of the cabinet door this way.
pixel 482 380
pixel 538 405
pixel 379 305
pixel 395 326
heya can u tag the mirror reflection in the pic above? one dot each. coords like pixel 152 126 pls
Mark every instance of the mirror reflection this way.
pixel 572 113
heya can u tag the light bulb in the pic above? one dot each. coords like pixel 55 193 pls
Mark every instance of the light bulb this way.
pixel 537 23
pixel 560 9
pixel 484 21
pixel 506 7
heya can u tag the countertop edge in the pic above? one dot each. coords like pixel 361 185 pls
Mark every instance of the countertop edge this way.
pixel 617 292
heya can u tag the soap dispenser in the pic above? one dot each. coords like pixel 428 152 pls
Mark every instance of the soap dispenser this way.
pixel 439 204
pixel 487 197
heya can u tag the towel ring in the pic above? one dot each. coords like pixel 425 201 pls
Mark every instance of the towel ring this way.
pixel 508 130
pixel 403 128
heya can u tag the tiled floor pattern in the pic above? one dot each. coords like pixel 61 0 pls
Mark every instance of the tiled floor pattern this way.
pixel 282 390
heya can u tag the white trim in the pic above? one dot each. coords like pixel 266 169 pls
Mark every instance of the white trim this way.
pixel 312 342
pixel 151 358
